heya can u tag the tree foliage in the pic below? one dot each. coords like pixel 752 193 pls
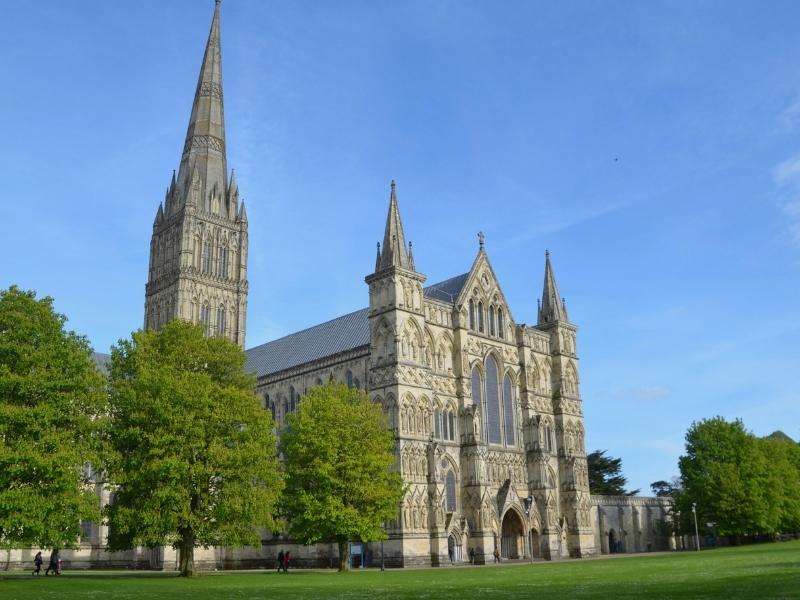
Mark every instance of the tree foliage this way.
pixel 338 460
pixel 51 401
pixel 194 454
pixel 745 485
pixel 605 475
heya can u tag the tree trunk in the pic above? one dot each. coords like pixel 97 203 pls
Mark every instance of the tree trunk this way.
pixel 186 548
pixel 343 558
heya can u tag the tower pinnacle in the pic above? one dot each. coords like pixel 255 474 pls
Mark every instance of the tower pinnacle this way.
pixel 394 252
pixel 552 307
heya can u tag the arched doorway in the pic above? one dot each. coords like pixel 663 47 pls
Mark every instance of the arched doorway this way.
pixel 613 542
pixel 512 541
pixel 454 551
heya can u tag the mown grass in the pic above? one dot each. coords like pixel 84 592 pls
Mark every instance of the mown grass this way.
pixel 762 571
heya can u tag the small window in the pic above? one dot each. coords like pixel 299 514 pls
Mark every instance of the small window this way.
pixel 437 424
pixel 205 264
pixel 223 262
pixel 87 528
pixel 445 426
pixel 491 320
pixel 500 324
pixel 349 378
pixel 205 317
pixel 471 314
pixel 480 317
pixel 221 320
pixel 452 420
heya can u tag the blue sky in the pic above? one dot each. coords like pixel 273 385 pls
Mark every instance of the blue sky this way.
pixel 653 147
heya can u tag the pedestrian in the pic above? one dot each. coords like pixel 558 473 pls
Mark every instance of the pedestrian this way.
pixel 37 562
pixel 286 558
pixel 53 566
pixel 496 555
pixel 280 561
pixel 472 556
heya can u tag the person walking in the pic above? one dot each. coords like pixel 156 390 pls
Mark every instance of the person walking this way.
pixel 37 562
pixel 286 558
pixel 472 556
pixel 280 561
pixel 54 560
pixel 496 555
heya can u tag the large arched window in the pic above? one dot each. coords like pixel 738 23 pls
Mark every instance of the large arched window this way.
pixel 508 410
pixel 471 315
pixel 493 426
pixel 450 492
pixel 500 324
pixel 480 317
pixel 437 424
pixel 491 321
pixel 445 426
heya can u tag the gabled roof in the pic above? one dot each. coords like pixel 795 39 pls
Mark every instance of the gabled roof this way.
pixel 344 333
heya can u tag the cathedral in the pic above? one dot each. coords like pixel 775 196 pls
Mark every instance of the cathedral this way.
pixel 486 411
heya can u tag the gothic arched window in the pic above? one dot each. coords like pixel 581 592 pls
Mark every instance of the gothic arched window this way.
pixel 452 424
pixel 492 402
pixel 205 262
pixel 480 317
pixel 450 492
pixel 508 410
pixel 500 324
pixel 221 320
pixel 349 378
pixel 222 266
pixel 437 424
pixel 292 398
pixel 471 314
pixel 205 316
pixel 491 321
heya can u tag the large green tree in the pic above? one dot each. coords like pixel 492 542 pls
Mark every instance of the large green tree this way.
pixel 194 454
pixel 782 487
pixel 605 475
pixel 725 472
pixel 51 404
pixel 338 460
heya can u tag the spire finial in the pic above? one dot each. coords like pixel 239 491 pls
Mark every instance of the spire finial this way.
pixel 547 253
pixel 393 249
pixel 481 239
pixel 217 2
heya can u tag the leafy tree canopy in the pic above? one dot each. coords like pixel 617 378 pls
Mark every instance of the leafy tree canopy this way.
pixel 339 457
pixel 194 453
pixel 726 473
pixel 51 400
pixel 605 475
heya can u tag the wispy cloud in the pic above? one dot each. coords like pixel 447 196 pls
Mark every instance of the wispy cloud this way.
pixel 787 179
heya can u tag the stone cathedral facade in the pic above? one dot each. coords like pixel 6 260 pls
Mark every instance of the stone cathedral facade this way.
pixel 486 410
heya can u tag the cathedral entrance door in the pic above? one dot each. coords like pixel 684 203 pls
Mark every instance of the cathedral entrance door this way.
pixel 513 536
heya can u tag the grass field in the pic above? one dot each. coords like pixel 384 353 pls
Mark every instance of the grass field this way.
pixel 761 571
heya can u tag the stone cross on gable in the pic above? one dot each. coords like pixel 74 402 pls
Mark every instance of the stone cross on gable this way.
pixel 481 238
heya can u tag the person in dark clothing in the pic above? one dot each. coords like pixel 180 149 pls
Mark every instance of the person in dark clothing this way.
pixel 286 558
pixel 54 563
pixel 496 555
pixel 280 561
pixel 37 562
pixel 472 556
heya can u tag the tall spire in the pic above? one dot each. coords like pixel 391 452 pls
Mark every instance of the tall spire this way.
pixel 552 307
pixel 205 136
pixel 394 253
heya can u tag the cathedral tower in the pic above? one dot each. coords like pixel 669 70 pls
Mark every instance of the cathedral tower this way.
pixel 198 252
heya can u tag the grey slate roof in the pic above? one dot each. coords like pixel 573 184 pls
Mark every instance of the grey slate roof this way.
pixel 344 333
pixel 447 290
pixel 339 335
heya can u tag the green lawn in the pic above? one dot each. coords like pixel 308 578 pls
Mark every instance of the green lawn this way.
pixel 762 571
